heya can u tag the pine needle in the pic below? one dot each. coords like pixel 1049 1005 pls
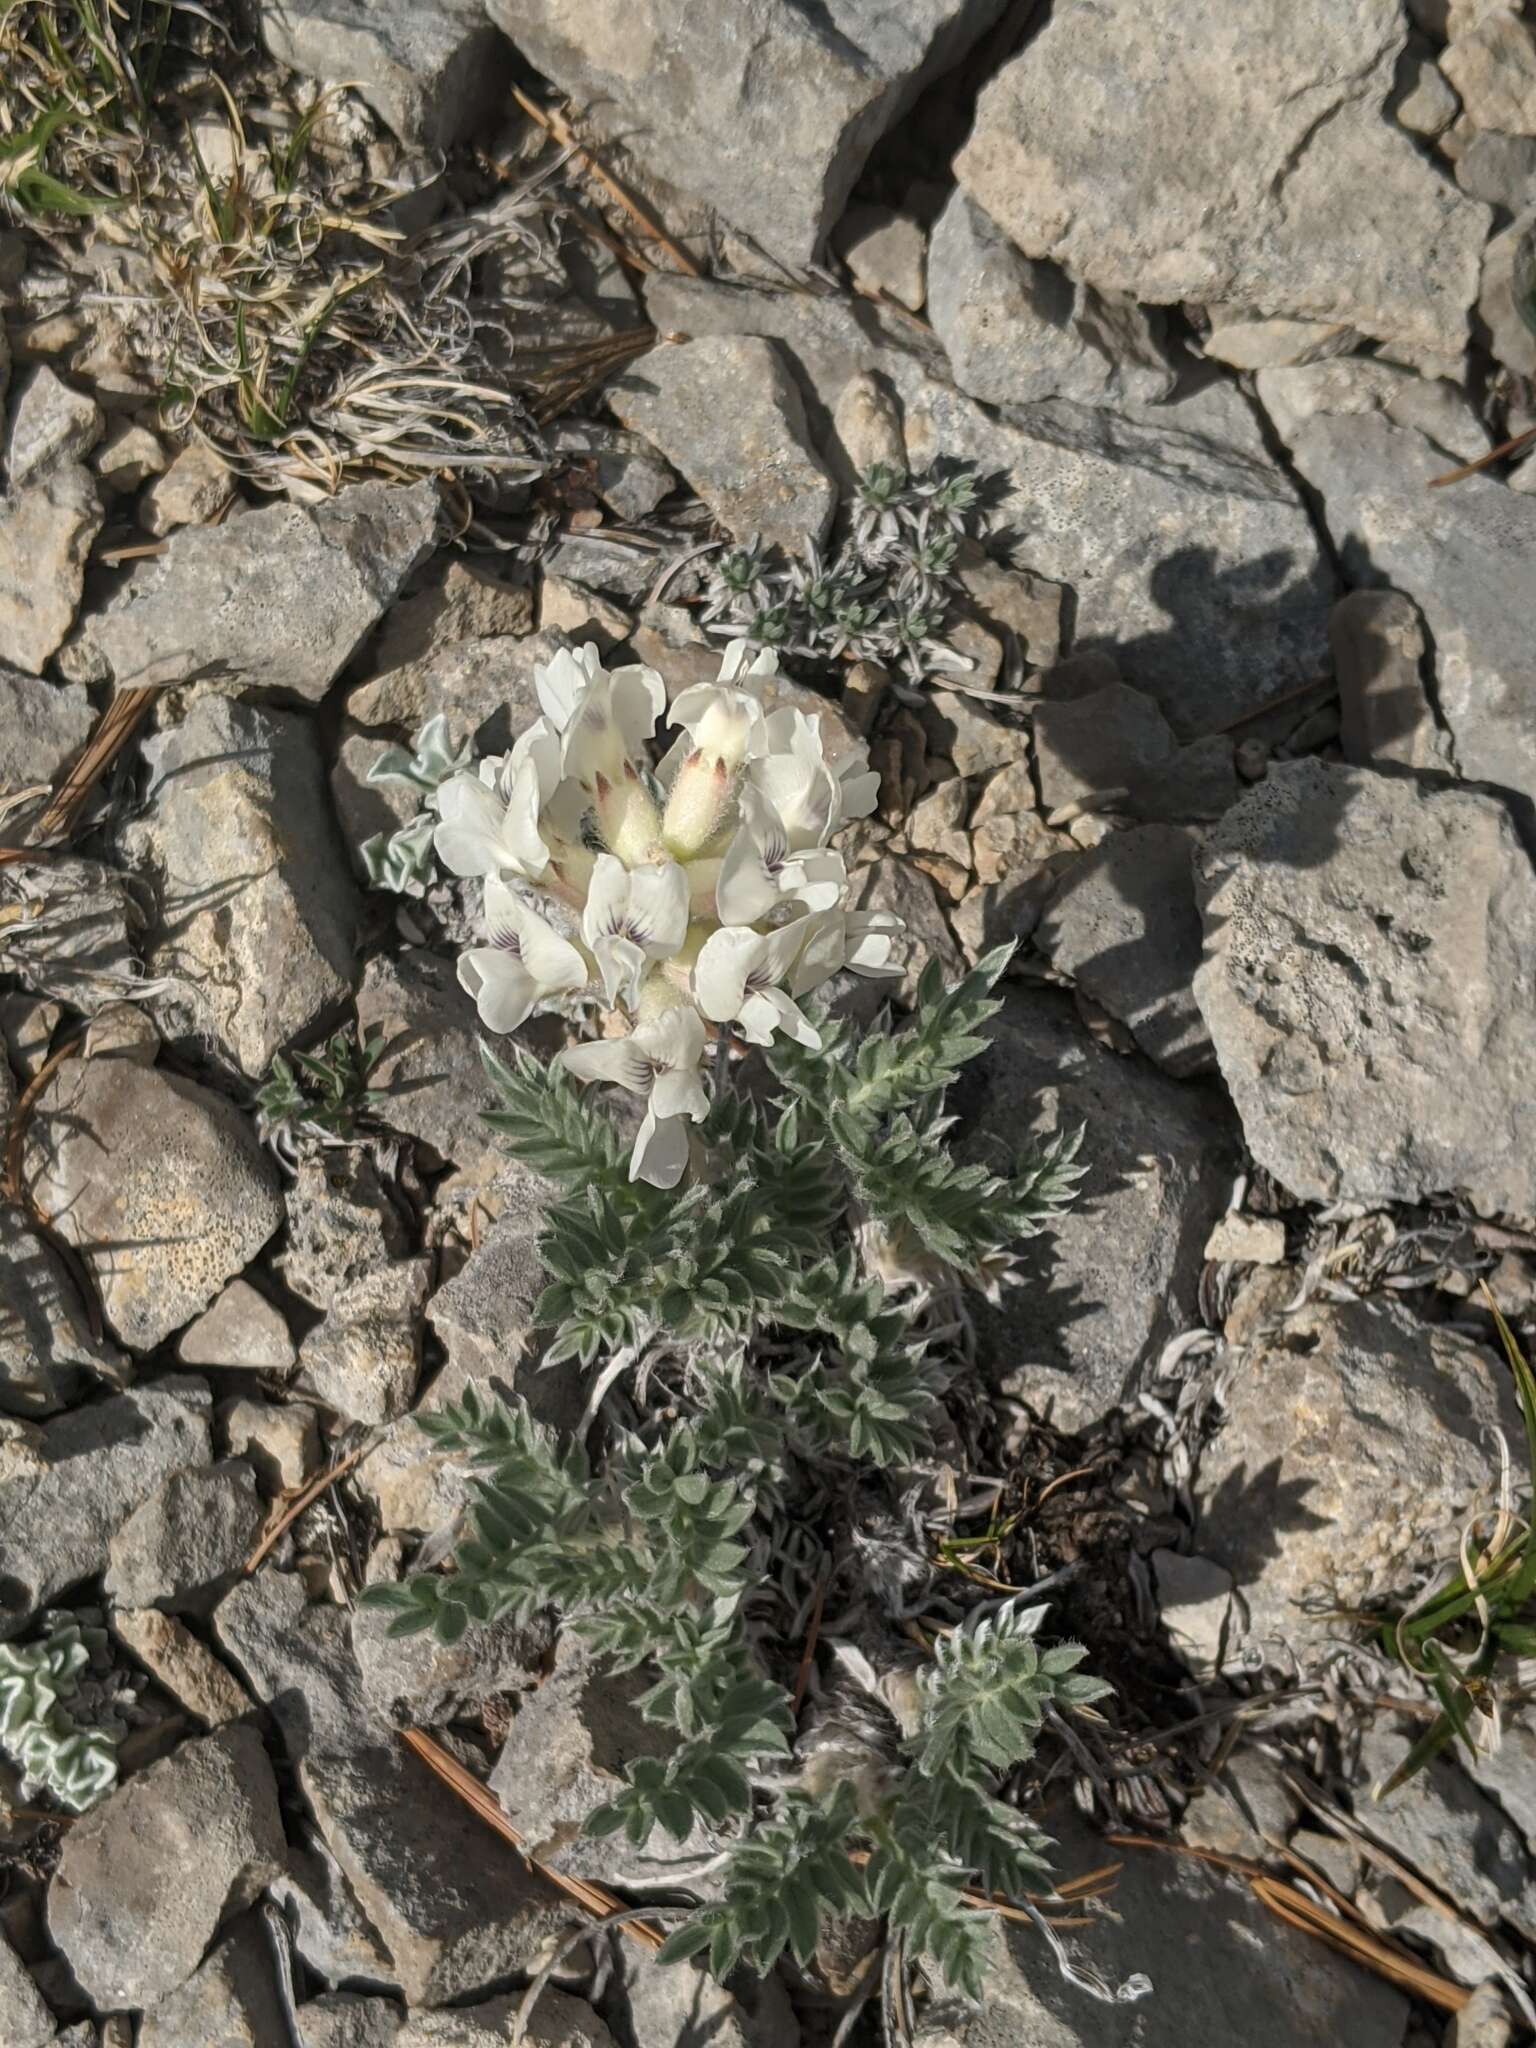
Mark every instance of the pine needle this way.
pixel 592 1898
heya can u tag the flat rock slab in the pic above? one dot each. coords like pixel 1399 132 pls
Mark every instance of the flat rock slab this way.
pixel 766 109
pixel 457 1909
pixel 556 2022
pixel 55 1528
pixel 1117 1276
pixel 158 1182
pixel 1355 1439
pixel 1368 983
pixel 231 1999
pixel 482 685
pixel 1467 558
pixel 433 1080
pixel 1016 331
pixel 1448 1830
pixel 47 1352
pixel 256 905
pixel 42 728
pixel 429 72
pixel 725 411
pixel 23 2014
pixel 566 1754
pixel 276 601
pixel 1220 1969
pixel 46 532
pixel 180 1548
pixel 147 1878
pixel 1236 156
pixel 1123 924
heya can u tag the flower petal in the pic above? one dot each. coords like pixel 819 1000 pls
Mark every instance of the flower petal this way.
pixel 607 899
pixel 639 697
pixel 720 973
pixel 622 965
pixel 618 1060
pixel 767 1011
pixel 658 906
pixel 504 991
pixel 661 1150
pixel 468 834
pixel 563 682
pixel 674 1040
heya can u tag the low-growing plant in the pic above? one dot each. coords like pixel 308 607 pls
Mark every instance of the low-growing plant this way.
pixel 764 1414
pixel 1456 1635
pixel 323 1096
pixel 884 593
pixel 76 1765
pixel 402 860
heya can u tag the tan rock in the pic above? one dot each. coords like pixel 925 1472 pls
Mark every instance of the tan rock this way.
pixel 189 1671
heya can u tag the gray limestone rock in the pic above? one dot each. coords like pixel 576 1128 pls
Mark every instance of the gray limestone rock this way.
pixel 766 110
pixel 342 2019
pixel 1368 983
pixel 566 1754
pixel 430 73
pixel 1016 331
pixel 159 1183
pixel 416 1681
pixel 256 908
pixel 241 1330
pixel 482 685
pixel 1113 750
pixel 1448 1830
pixel 51 423
pixel 42 727
pixel 1229 155
pixel 1355 1439
pixel 277 601
pixel 1493 68
pixel 186 1668
pixel 1361 385
pixel 230 2001
pixel 557 2021
pixel 46 531
pixel 147 1878
pixel 1186 546
pixel 1216 1964
pixel 179 1549
pixel 434 1082
pixel 281 1440
pixel 25 2021
pixel 726 413
pixel 47 1353
pixel 1379 652
pixel 1117 1275
pixel 1124 925
pixel 55 1531
pixel 457 1909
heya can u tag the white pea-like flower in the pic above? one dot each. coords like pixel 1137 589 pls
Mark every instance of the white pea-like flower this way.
pixel 738 980
pixel 699 893
pixel 634 916
pixel 523 962
pixel 762 871
pixel 660 1060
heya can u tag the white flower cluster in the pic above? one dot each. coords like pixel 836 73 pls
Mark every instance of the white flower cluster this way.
pixel 701 891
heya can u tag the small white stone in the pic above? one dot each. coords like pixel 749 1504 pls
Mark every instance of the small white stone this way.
pixel 1259 1240
pixel 1194 1596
